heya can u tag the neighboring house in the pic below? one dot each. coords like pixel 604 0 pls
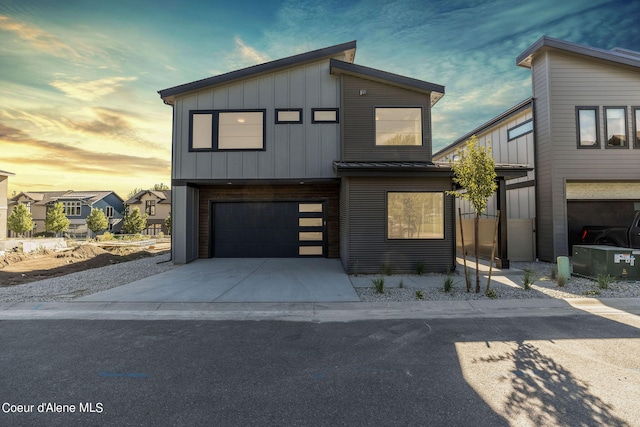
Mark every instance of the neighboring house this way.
pixel 4 191
pixel 77 207
pixel 157 205
pixel 311 155
pixel 586 140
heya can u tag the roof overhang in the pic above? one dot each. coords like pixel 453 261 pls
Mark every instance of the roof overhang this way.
pixel 418 169
pixel 348 50
pixel 616 55
pixel 5 173
pixel 435 91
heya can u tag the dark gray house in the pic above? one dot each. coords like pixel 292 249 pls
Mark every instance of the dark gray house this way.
pixel 310 155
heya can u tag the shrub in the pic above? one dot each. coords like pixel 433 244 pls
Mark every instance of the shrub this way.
pixel 105 236
pixel 419 295
pixel 420 268
pixel 561 281
pixel 45 234
pixel 387 270
pixel 592 293
pixel 448 282
pixel 528 279
pixel 604 281
pixel 492 294
pixel 378 283
pixel 401 284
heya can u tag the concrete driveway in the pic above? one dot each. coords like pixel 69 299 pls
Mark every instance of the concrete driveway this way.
pixel 240 280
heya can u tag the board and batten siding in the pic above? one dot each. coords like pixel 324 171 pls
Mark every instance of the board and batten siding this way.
pixel 368 247
pixel 358 121
pixel 291 150
pixel 575 81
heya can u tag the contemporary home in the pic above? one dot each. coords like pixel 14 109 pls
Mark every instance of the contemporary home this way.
pixel 77 207
pixel 581 132
pixel 156 204
pixel 4 191
pixel 311 155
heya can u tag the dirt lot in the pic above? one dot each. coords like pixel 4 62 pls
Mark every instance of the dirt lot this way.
pixel 18 268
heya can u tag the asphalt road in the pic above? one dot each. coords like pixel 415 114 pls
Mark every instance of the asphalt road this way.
pixel 570 370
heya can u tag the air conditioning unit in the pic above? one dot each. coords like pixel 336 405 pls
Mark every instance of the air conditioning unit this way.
pixel 594 260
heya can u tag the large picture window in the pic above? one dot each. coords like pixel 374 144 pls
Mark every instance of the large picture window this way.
pixel 227 130
pixel 615 119
pixel 398 125
pixel 587 127
pixel 415 215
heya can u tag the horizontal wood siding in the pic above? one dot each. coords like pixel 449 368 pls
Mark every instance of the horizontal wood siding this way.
pixel 575 81
pixel 260 193
pixel 359 121
pixel 368 246
pixel 304 150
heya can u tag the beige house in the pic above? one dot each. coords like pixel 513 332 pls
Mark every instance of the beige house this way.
pixel 157 206
pixel 36 203
pixel 4 191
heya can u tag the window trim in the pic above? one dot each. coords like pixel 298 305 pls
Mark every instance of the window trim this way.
pixel 215 120
pixel 313 115
pixel 375 138
pixel 606 128
pixel 636 128
pixel 107 209
pixel 596 146
pixel 279 122
pixel 150 207
pixel 509 138
pixel 425 239
pixel 77 206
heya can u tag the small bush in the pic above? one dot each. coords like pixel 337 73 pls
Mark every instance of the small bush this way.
pixel 420 268
pixel 419 295
pixel 561 281
pixel 378 283
pixel 105 237
pixel 448 282
pixel 492 294
pixel 160 235
pixel 528 279
pixel 592 293
pixel 45 234
pixel 604 281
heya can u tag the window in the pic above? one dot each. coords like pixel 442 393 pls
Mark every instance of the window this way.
pixel 398 126
pixel 418 215
pixel 150 207
pixel 71 208
pixel 636 127
pixel 227 130
pixel 108 211
pixel 519 130
pixel 615 120
pixel 587 127
pixel 289 115
pixel 324 115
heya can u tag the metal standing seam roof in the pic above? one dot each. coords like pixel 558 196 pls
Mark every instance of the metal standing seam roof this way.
pixel 169 94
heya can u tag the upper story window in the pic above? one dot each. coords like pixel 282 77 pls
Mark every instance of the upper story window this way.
pixel 615 120
pixel 289 115
pixel 398 125
pixel 519 130
pixel 108 211
pixel 227 130
pixel 324 115
pixel 150 207
pixel 636 127
pixel 587 127
pixel 71 208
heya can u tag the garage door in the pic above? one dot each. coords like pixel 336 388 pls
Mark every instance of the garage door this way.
pixel 610 213
pixel 268 229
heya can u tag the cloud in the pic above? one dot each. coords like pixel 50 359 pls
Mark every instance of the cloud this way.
pixel 248 53
pixel 39 39
pixel 92 89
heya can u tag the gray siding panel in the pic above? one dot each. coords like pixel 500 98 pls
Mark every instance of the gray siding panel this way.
pixel 359 121
pixel 365 228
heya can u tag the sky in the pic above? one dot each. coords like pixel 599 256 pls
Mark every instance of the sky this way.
pixel 79 108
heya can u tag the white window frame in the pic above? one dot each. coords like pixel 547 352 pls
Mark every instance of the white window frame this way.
pixel 109 211
pixel 72 208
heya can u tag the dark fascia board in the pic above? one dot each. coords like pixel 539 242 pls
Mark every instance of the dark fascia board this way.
pixel 616 55
pixel 168 94
pixel 422 169
pixel 516 109
pixel 436 91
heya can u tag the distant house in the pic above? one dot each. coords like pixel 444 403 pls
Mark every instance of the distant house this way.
pixel 311 155
pixel 77 207
pixel 4 183
pixel 157 205
pixel 581 133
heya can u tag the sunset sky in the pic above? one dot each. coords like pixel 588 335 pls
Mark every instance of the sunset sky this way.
pixel 79 107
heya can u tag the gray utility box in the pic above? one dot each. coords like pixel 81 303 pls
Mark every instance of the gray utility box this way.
pixel 594 260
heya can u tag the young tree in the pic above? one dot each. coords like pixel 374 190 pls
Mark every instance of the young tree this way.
pixel 134 223
pixel 475 172
pixel 160 187
pixel 56 220
pixel 20 220
pixel 167 223
pixel 97 221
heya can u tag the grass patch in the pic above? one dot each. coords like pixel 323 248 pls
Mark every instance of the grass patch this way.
pixel 592 293
pixel 387 269
pixel 561 281
pixel 448 282
pixel 604 281
pixel 420 268
pixel 492 294
pixel 378 284
pixel 419 295
pixel 528 279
